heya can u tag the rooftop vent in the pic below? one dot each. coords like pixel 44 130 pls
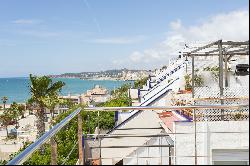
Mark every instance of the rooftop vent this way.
pixel 242 69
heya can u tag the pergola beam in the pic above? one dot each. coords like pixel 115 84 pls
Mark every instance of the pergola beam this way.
pixel 231 53
pixel 212 51
pixel 235 43
pixel 242 51
pixel 204 47
pixel 230 44
pixel 246 49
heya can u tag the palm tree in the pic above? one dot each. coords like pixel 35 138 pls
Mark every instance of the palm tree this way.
pixel 40 89
pixel 4 100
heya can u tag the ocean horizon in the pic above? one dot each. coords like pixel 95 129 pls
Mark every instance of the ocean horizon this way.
pixel 17 88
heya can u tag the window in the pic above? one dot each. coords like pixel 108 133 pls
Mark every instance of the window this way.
pixel 230 156
pixel 230 163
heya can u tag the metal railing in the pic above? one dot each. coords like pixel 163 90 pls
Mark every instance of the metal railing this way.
pixel 24 156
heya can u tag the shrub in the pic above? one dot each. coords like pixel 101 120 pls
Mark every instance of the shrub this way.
pixel 237 116
pixel 139 83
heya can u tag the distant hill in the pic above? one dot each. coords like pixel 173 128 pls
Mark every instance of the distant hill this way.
pixel 116 74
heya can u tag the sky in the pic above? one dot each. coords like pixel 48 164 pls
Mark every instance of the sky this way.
pixel 59 36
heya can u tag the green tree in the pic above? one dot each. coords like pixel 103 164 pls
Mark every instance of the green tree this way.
pixel 6 120
pixel 30 105
pixel 51 102
pixel 139 83
pixel 198 81
pixel 188 81
pixel 42 88
pixel 21 109
pixel 121 92
pixel 3 162
pixel 4 100
pixel 14 112
pixel 67 103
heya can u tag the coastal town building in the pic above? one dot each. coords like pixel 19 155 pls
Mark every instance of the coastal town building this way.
pixel 76 99
pixel 134 75
pixel 94 96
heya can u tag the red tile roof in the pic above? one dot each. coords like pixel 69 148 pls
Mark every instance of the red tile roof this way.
pixel 168 118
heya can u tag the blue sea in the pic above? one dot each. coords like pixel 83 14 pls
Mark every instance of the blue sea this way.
pixel 17 89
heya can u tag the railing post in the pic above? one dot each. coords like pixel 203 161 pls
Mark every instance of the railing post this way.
pixel 226 70
pixel 195 138
pixel 80 148
pixel 53 151
pixel 99 139
pixel 221 72
pixel 220 68
pixel 193 74
pixel 169 159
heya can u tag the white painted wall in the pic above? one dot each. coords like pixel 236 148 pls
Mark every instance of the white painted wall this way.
pixel 133 93
pixel 122 116
pixel 159 155
pixel 208 141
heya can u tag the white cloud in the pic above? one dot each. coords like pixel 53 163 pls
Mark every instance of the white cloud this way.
pixel 39 33
pixel 119 40
pixel 175 24
pixel 26 21
pixel 136 56
pixel 227 26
